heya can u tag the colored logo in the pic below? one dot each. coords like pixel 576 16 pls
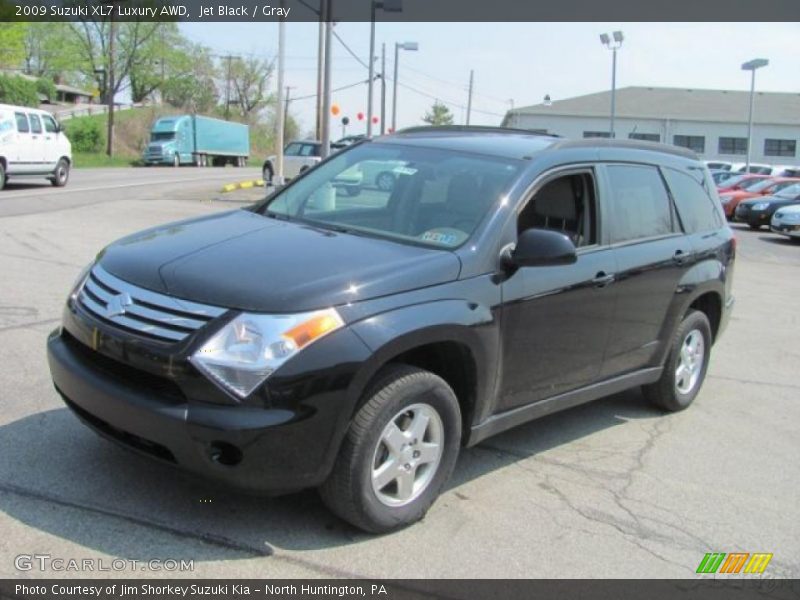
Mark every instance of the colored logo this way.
pixel 735 562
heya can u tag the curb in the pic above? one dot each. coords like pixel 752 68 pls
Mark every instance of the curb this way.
pixel 242 185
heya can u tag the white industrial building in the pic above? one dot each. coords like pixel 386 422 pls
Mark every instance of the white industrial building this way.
pixel 713 123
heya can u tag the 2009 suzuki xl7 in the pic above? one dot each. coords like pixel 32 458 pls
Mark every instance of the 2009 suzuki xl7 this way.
pixel 355 341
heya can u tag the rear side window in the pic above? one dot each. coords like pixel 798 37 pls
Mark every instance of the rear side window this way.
pixel 36 124
pixel 22 122
pixel 639 206
pixel 696 208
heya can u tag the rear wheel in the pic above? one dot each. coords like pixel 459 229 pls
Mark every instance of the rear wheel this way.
pixel 754 226
pixel 399 452
pixel 61 174
pixel 176 161
pixel 267 174
pixel 2 176
pixel 686 365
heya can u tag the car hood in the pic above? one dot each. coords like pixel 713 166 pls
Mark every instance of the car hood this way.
pixel 244 260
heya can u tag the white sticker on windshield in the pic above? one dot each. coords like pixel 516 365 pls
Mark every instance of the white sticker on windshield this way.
pixel 405 170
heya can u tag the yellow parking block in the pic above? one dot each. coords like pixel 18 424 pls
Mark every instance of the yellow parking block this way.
pixel 242 185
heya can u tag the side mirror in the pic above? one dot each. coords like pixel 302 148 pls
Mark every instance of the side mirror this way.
pixel 542 248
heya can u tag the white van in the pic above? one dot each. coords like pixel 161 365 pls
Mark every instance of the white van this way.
pixel 32 144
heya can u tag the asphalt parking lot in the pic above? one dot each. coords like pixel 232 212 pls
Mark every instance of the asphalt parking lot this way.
pixel 610 489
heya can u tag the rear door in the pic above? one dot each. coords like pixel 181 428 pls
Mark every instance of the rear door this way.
pixel 651 254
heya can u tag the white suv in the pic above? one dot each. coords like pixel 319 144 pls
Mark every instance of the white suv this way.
pixel 32 144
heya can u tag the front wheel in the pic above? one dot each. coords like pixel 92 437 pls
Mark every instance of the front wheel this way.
pixel 385 182
pixel 754 226
pixel 399 452
pixel 686 365
pixel 61 174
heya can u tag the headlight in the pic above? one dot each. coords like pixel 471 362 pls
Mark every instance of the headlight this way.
pixel 241 355
pixel 760 206
pixel 79 281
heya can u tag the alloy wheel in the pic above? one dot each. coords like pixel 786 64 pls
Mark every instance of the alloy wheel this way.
pixel 407 455
pixel 690 362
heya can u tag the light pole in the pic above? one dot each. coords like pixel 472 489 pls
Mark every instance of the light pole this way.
pixel 387 6
pixel 613 46
pixel 412 47
pixel 751 66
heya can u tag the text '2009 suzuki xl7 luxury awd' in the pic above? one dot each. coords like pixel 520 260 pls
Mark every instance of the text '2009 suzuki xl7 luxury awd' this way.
pixel 354 340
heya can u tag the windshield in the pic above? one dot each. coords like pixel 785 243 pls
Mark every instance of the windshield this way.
pixel 735 180
pixel 758 185
pixel 791 192
pixel 431 197
pixel 161 136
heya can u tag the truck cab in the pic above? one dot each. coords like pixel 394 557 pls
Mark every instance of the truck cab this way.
pixel 170 142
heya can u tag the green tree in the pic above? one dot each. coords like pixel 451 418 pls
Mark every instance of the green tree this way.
pixel 12 44
pixel 52 50
pixel 191 84
pixel 166 54
pixel 18 90
pixel 438 115
pixel 250 83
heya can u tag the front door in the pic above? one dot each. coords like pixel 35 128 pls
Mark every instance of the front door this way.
pixel 38 145
pixel 556 320
pixel 22 152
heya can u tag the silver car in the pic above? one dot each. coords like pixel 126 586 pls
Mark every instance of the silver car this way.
pixel 786 221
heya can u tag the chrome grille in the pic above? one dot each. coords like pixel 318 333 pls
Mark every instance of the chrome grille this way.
pixel 141 311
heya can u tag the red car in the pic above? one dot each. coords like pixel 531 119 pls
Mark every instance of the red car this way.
pixel 739 181
pixel 758 187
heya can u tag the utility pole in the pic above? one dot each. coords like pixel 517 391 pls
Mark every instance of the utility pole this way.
pixel 320 68
pixel 371 60
pixel 325 136
pixel 110 87
pixel 286 104
pixel 383 88
pixel 469 98
pixel 281 115
pixel 229 58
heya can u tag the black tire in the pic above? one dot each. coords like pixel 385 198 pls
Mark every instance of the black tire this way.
pixel 349 492
pixel 352 190
pixel 2 176
pixel 303 169
pixel 267 173
pixel 666 393
pixel 385 181
pixel 754 226
pixel 61 174
pixel 176 160
pixel 198 160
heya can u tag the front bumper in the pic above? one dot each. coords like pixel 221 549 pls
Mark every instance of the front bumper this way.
pixel 281 448
pixel 789 229
pixel 758 218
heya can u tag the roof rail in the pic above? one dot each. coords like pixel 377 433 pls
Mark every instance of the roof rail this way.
pixel 471 129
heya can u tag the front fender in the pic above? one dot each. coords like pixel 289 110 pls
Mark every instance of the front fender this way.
pixel 469 324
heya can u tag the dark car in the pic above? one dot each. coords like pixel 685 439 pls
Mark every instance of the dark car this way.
pixel 356 343
pixel 759 211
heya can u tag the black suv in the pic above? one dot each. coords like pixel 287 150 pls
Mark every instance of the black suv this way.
pixel 356 342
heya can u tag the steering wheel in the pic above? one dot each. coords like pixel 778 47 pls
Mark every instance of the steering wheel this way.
pixel 445 236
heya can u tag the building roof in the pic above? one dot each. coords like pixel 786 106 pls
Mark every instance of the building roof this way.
pixel 686 104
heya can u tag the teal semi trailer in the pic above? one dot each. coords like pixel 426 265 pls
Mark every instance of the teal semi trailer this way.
pixel 196 140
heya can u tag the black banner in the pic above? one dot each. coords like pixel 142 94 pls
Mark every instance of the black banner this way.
pixel 399 10
pixel 730 588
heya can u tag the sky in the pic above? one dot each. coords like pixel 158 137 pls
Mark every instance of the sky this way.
pixel 514 63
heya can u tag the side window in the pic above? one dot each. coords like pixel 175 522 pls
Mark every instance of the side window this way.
pixel 638 206
pixel 22 122
pixel 696 208
pixel 308 150
pixel 567 204
pixel 36 124
pixel 49 124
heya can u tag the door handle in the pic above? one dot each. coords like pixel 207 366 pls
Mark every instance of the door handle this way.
pixel 602 279
pixel 679 257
